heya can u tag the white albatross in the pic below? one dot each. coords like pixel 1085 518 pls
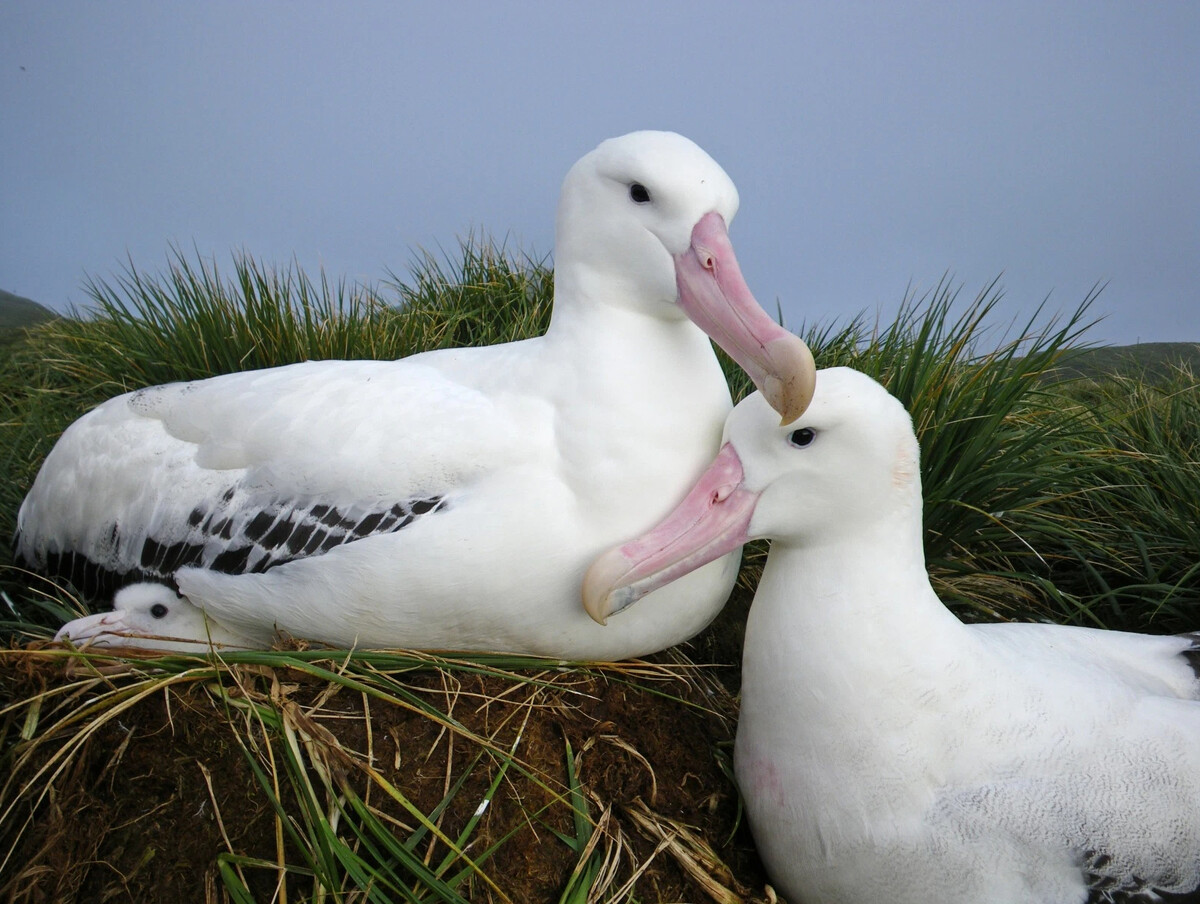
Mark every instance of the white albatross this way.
pixel 890 754
pixel 452 499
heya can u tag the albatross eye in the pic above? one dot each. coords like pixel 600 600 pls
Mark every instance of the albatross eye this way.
pixel 158 610
pixel 639 193
pixel 802 437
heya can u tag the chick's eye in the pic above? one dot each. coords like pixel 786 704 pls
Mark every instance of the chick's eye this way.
pixel 158 610
pixel 802 437
pixel 639 193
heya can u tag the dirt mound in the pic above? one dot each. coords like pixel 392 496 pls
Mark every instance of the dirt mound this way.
pixel 286 781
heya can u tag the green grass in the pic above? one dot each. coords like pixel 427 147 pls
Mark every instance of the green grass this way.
pixel 1054 490
pixel 1139 504
pixel 194 321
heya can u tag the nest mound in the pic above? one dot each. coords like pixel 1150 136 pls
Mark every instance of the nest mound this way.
pixel 306 776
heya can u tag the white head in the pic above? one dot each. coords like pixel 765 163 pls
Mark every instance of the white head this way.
pixel 607 224
pixel 152 616
pixel 848 464
pixel 851 459
pixel 642 224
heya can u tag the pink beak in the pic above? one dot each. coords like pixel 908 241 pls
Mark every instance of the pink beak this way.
pixel 99 630
pixel 715 296
pixel 710 522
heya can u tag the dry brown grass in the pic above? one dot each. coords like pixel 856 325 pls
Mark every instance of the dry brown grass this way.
pixel 285 776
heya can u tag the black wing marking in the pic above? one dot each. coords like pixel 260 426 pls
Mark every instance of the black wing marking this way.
pixel 232 537
pixel 1106 888
pixel 1192 653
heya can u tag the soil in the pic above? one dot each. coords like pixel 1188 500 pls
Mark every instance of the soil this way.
pixel 156 801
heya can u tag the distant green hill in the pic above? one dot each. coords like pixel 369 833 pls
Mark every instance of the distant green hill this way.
pixel 1147 360
pixel 16 311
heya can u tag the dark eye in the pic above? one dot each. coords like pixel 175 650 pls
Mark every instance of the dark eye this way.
pixel 158 610
pixel 639 193
pixel 802 437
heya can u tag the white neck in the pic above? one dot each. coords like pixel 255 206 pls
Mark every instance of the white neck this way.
pixel 849 662
pixel 640 359
pixel 846 631
pixel 649 391
pixel 583 291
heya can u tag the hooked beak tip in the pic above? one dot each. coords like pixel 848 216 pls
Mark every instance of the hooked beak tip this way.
pixel 601 583
pixel 791 378
pixel 595 596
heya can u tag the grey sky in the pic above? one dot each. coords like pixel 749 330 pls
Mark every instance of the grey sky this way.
pixel 874 144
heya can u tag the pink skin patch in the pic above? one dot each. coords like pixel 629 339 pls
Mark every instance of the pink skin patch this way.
pixel 716 298
pixel 765 783
pixel 710 522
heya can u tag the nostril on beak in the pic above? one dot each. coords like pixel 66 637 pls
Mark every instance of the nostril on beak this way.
pixel 721 493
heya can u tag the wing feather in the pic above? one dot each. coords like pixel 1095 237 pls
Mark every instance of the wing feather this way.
pixel 246 471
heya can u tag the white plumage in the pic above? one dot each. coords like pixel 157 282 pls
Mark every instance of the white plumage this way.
pixel 451 499
pixel 886 751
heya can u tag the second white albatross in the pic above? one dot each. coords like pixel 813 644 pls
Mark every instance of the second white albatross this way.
pixel 888 753
pixel 450 500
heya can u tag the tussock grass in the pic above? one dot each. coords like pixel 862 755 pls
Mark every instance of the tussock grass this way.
pixel 193 322
pixel 1140 504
